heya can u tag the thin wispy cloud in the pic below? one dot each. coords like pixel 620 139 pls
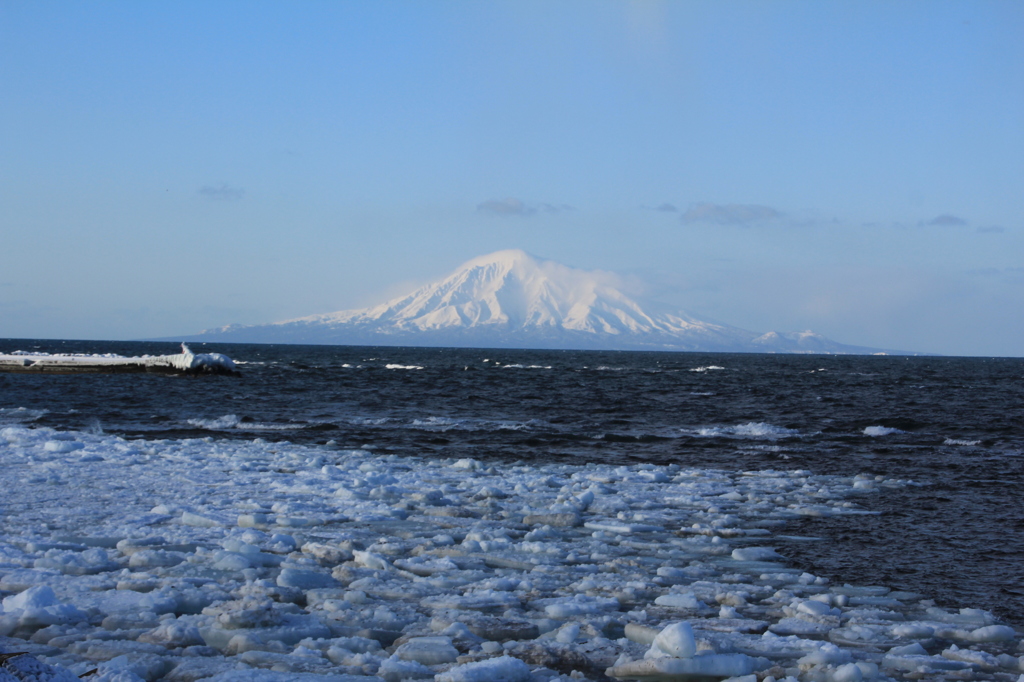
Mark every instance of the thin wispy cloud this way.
pixel 729 214
pixel 1013 274
pixel 556 208
pixel 947 220
pixel 991 229
pixel 222 192
pixel 511 206
pixel 505 207
pixel 666 208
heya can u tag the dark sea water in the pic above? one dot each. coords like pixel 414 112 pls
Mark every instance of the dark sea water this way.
pixel 957 429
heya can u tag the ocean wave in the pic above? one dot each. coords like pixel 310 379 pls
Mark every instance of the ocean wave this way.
pixel 234 422
pixel 748 430
pixel 370 421
pixel 636 437
pixel 876 431
pixel 764 448
pixel 19 415
pixel 707 368
pixel 451 424
pixel 517 366
pixel 957 441
pixel 395 366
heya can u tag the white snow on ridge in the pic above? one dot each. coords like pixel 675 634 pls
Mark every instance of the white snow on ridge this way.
pixel 252 561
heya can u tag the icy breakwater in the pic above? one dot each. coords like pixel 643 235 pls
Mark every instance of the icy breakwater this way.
pixel 185 362
pixel 203 559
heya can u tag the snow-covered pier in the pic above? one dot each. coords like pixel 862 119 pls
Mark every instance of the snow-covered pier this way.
pixel 186 560
pixel 185 362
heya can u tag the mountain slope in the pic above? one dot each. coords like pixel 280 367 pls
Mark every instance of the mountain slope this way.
pixel 510 299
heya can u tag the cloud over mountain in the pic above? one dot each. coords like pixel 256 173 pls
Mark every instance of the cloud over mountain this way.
pixel 222 192
pixel 729 214
pixel 510 206
pixel 947 220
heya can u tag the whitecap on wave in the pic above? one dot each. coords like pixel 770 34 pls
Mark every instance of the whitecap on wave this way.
pixel 748 430
pixel 876 431
pixel 371 421
pixel 19 415
pixel 451 424
pixel 233 421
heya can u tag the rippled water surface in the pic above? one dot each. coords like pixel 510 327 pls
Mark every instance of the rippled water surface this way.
pixel 953 425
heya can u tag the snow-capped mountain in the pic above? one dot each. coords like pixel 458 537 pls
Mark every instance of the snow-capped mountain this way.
pixel 509 299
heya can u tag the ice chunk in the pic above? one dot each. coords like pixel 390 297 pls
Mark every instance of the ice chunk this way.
pixel 921 664
pixel 38 597
pixel 27 668
pixel 155 558
pixel 992 633
pixel 801 627
pixel 399 670
pixel 641 634
pixel 469 626
pixel 912 630
pixel 305 580
pixel 568 633
pixel 812 607
pixel 259 675
pixel 173 634
pixel 503 669
pixel 76 563
pixel 204 519
pixel 685 600
pixel 847 672
pixel 828 654
pixel 468 464
pixel 675 640
pixel 982 659
pixel 290 631
pixel 619 527
pixel 756 554
pixel 254 520
pixel 914 649
pixel 555 520
pixel 476 601
pixel 428 650
pixel 370 560
pixel 678 669
pixel 580 605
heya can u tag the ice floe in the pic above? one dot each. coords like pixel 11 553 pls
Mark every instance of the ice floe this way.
pixel 204 559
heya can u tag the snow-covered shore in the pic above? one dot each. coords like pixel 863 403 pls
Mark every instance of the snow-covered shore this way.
pixel 185 362
pixel 199 559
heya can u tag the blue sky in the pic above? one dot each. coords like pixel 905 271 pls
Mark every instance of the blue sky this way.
pixel 855 168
